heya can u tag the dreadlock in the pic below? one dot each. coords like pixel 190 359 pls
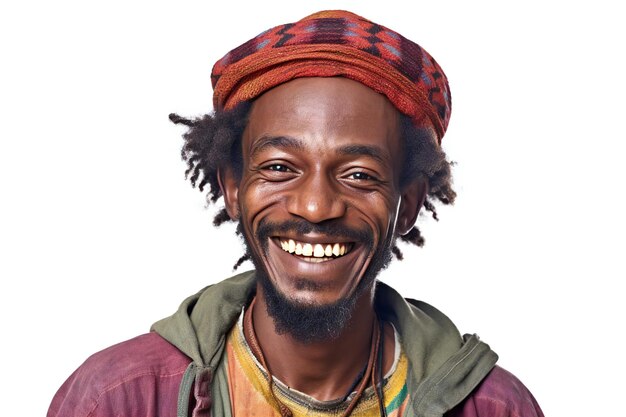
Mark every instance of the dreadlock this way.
pixel 214 141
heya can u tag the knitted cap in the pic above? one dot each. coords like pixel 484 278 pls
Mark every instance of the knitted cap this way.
pixel 337 43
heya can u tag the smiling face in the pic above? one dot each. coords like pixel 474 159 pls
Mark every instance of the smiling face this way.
pixel 319 199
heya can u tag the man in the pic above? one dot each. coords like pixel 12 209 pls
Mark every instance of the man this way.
pixel 325 144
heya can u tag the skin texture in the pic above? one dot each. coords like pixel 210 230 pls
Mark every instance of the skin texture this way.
pixel 326 152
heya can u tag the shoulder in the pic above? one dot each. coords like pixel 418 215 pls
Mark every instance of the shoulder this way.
pixel 139 367
pixel 500 394
pixel 148 354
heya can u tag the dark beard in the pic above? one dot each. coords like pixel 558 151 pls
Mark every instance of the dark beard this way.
pixel 305 322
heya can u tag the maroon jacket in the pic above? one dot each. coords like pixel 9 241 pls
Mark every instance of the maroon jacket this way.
pixel 142 376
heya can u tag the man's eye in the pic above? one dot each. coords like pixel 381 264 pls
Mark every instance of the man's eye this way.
pixel 361 176
pixel 278 168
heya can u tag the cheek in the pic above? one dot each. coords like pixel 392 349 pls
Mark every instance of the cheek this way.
pixel 379 211
pixel 255 198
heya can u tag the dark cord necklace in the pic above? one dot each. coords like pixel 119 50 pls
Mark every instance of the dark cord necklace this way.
pixel 372 371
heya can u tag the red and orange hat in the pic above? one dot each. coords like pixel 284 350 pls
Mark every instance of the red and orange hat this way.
pixel 337 43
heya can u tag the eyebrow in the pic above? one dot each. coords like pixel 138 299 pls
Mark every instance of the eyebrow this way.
pixel 367 150
pixel 265 142
pixel 290 142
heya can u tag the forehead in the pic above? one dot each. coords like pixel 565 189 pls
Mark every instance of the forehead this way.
pixel 325 113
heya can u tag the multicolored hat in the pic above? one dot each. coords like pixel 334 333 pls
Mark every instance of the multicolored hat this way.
pixel 337 43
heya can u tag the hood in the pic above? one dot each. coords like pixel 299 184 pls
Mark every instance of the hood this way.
pixel 198 329
pixel 443 366
pixel 200 325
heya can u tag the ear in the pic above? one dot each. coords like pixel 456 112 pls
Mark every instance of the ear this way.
pixel 230 190
pixel 411 202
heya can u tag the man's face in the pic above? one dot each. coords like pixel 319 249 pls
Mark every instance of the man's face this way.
pixel 319 192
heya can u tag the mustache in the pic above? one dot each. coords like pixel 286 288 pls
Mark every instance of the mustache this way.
pixel 268 229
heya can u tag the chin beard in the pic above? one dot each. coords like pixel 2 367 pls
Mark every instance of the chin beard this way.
pixel 305 322
pixel 310 322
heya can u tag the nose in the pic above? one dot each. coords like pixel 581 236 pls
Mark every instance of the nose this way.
pixel 316 199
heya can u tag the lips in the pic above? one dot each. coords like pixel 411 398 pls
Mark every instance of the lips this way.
pixel 297 250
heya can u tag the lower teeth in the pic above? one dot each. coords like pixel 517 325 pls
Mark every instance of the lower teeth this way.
pixel 315 260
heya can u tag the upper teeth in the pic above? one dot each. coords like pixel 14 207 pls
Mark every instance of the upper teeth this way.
pixel 317 251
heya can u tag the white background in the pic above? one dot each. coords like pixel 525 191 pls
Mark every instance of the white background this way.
pixel 100 235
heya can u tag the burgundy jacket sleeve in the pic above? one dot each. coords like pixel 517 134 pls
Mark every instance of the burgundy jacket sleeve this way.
pixel 139 377
pixel 500 394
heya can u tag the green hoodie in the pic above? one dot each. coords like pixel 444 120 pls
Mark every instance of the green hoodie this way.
pixel 443 366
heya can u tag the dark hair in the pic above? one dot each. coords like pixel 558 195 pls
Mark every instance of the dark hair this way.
pixel 214 140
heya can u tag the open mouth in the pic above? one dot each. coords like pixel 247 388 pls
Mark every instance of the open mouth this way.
pixel 315 252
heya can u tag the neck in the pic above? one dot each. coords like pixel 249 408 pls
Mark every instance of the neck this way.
pixel 327 369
